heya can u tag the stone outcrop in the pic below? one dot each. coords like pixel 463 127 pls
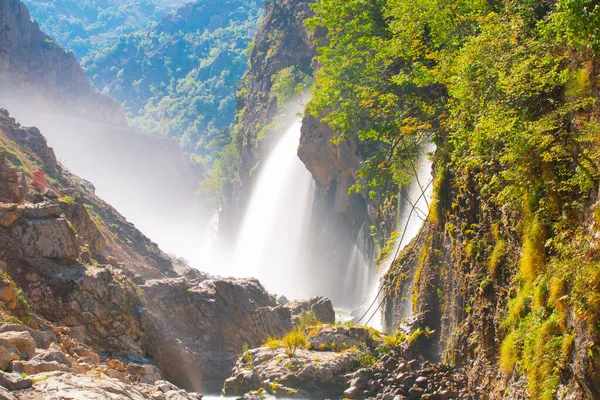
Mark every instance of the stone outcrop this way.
pixel 319 371
pixel 319 305
pixel 293 47
pixel 12 184
pixel 51 238
pixel 37 72
pixel 212 320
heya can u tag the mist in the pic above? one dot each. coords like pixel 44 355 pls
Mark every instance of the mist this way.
pixel 147 179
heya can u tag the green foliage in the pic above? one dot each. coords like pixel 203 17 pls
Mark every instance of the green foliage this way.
pixel 289 83
pixel 88 25
pixel 178 78
pixel 506 91
pixel 176 74
pixel 293 341
pixel 307 319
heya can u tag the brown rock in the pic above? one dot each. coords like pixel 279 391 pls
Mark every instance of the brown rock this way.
pixel 6 292
pixel 50 238
pixel 13 381
pixel 7 355
pixel 22 341
pixel 116 364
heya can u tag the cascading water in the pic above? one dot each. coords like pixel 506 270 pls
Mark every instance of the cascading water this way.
pixel 414 209
pixel 274 235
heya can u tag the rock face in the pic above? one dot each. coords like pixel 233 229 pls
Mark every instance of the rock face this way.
pixel 13 187
pixel 271 53
pixel 320 306
pixel 33 69
pixel 316 373
pixel 51 238
pixel 213 320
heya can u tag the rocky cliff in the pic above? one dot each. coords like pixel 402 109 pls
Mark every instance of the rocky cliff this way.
pixel 79 270
pixel 285 43
pixel 37 72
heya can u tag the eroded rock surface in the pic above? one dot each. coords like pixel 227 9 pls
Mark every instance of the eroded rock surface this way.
pixel 212 321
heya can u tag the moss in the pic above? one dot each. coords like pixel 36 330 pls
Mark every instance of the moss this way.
pixel 496 258
pixel 509 353
pixel 435 213
pixel 67 199
pixel 533 258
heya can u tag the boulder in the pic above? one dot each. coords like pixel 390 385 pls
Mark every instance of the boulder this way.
pixel 338 338
pixel 21 341
pixel 51 238
pixel 320 306
pixel 14 381
pixel 308 374
pixel 36 366
pixel 196 331
pixel 7 356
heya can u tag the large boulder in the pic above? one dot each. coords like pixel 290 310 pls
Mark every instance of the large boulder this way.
pixel 308 374
pixel 50 238
pixel 197 330
pixel 320 306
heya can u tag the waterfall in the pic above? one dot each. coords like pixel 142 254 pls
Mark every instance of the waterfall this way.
pixel 274 236
pixel 414 209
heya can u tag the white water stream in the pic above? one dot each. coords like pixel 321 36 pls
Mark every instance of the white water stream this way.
pixel 414 209
pixel 274 236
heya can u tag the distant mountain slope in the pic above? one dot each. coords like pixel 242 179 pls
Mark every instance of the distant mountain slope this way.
pixel 36 71
pixel 89 25
pixel 179 77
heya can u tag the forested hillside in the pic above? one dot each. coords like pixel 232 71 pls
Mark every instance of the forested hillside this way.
pixel 179 77
pixel 174 67
pixel 86 26
pixel 507 272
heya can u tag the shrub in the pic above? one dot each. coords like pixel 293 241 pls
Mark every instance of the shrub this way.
pixel 292 341
pixel 307 319
pixel 273 343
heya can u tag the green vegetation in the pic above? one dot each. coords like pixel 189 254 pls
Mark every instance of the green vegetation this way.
pixel 293 341
pixel 508 92
pixel 175 70
pixel 179 77
pixel 88 25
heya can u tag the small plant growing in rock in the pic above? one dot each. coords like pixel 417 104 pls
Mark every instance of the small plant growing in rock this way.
pixel 247 355
pixel 308 319
pixel 365 357
pixel 292 341
pixel 273 343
